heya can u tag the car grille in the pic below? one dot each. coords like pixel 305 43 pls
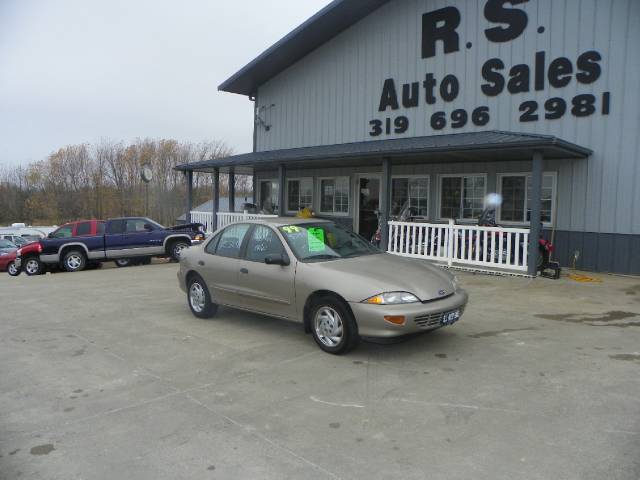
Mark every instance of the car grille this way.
pixel 431 319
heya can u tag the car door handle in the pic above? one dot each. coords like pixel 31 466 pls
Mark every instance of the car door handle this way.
pixel 244 271
pixel 201 263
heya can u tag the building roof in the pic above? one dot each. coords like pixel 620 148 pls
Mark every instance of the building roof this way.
pixel 459 147
pixel 317 30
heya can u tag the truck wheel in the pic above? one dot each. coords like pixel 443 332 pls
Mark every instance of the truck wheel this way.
pixel 176 249
pixel 123 262
pixel 13 270
pixel 74 261
pixel 33 266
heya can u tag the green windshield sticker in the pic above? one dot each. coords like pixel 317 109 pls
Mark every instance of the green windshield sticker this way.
pixel 315 239
pixel 291 229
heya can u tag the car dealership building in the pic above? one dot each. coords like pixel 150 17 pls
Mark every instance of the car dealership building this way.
pixel 373 104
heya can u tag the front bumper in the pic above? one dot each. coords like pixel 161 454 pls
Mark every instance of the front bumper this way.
pixel 18 262
pixel 420 317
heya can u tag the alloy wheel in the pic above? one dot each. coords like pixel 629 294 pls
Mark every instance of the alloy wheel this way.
pixel 197 297
pixel 74 261
pixel 12 269
pixel 32 267
pixel 328 326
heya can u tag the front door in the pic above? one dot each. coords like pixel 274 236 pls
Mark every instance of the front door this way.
pixel 266 288
pixel 369 203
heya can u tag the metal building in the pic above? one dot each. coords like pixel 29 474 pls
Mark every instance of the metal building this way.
pixel 373 103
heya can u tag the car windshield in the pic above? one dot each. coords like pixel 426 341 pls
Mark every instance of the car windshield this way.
pixel 317 242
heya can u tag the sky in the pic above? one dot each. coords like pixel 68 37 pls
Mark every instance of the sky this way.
pixel 77 71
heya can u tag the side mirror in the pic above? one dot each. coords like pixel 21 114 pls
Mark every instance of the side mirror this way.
pixel 148 227
pixel 281 259
pixel 50 235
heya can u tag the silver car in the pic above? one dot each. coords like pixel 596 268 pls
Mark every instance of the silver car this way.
pixel 317 273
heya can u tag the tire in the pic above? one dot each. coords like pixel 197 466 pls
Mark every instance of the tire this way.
pixel 32 266
pixel 145 261
pixel 333 327
pixel 74 261
pixel 175 249
pixel 13 270
pixel 122 262
pixel 199 298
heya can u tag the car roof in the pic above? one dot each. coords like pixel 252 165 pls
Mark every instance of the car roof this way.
pixel 283 221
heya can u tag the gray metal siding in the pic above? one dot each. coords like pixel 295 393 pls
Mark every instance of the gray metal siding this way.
pixel 330 95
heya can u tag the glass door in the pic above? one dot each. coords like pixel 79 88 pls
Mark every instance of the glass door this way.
pixel 369 203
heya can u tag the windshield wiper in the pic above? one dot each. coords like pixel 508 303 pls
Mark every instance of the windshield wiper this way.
pixel 322 257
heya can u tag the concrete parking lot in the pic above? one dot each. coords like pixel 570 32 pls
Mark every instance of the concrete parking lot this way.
pixel 105 374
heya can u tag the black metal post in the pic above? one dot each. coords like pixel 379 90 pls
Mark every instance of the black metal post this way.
pixel 216 199
pixel 189 195
pixel 385 203
pixel 232 191
pixel 536 212
pixel 282 173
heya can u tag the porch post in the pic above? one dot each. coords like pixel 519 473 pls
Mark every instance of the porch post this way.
pixel 254 188
pixel 216 199
pixel 536 214
pixel 385 203
pixel 282 173
pixel 189 196
pixel 232 190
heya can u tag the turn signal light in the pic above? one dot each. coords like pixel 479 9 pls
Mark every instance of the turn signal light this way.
pixel 395 319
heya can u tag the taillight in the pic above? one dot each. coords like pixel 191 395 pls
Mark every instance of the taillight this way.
pixel 39 247
pixel 19 252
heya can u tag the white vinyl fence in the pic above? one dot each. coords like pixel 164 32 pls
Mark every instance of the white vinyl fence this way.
pixel 495 248
pixel 224 219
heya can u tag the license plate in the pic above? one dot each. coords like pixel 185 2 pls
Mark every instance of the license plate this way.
pixel 449 318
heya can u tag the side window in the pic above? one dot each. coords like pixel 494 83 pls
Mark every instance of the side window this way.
pixel 263 242
pixel 100 228
pixel 83 229
pixel 64 232
pixel 135 225
pixel 211 246
pixel 116 227
pixel 231 241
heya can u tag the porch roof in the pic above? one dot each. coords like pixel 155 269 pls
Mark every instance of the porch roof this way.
pixel 459 147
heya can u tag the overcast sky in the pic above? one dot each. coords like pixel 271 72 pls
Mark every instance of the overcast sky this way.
pixel 75 71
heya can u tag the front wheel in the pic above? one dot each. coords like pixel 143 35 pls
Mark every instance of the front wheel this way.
pixel 74 261
pixel 177 248
pixel 333 327
pixel 199 299
pixel 13 270
pixel 33 266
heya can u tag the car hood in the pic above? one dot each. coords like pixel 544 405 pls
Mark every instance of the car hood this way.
pixel 362 277
pixel 190 227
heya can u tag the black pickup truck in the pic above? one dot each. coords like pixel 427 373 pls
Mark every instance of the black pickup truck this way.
pixel 74 245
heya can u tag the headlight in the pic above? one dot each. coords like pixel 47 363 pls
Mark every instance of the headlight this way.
pixel 2 254
pixel 392 298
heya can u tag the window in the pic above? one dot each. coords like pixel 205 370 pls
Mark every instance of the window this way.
pixel 136 225
pixel 263 242
pixel 64 232
pixel 115 227
pixel 411 192
pixel 231 241
pixel 269 196
pixel 516 196
pixel 100 228
pixel 462 197
pixel 334 195
pixel 299 194
pixel 83 229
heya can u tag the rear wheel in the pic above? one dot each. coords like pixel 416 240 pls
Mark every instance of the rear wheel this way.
pixel 33 266
pixel 123 262
pixel 74 261
pixel 333 327
pixel 13 270
pixel 199 298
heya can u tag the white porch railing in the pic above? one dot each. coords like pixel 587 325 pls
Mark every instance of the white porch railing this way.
pixel 224 219
pixel 496 248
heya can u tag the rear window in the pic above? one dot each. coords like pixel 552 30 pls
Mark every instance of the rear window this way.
pixel 100 228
